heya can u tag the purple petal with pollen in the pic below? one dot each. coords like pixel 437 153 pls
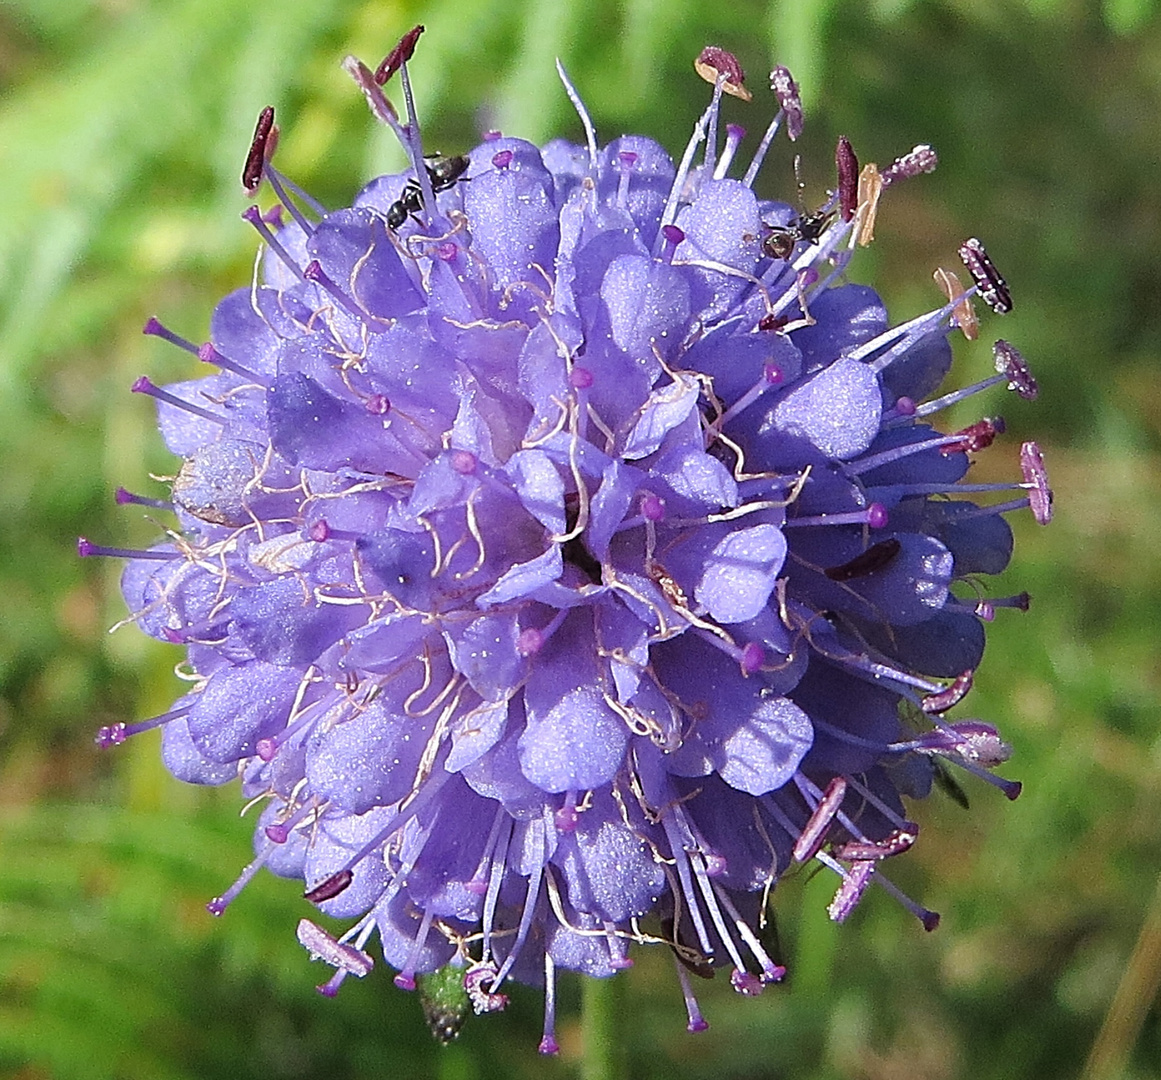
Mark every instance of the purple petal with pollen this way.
pixel 740 573
pixel 368 758
pixel 836 409
pixel 484 652
pixel 573 740
pixel 238 706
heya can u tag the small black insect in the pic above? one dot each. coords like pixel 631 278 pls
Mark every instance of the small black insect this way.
pixel 444 173
pixel 779 244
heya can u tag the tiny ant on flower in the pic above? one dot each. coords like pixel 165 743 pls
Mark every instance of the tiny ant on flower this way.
pixel 444 173
pixel 780 242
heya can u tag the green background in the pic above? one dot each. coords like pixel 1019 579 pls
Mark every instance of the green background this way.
pixel 123 125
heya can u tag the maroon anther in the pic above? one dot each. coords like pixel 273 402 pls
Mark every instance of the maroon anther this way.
pixel 1010 361
pixel 922 159
pixel 993 289
pixel 848 177
pixel 1036 477
pixel 814 831
pixel 329 889
pixel 261 147
pixel 894 843
pixel 976 437
pixel 876 557
pixel 951 695
pixel 398 56
pixel 771 323
pixel 786 91
pixel 714 62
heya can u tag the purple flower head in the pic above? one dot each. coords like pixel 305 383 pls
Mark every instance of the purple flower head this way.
pixel 554 551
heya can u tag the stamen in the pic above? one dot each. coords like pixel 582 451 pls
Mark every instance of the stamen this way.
pixel 582 112
pixel 814 831
pixel 847 165
pixel 277 182
pixel 870 191
pixel 116 734
pixel 405 980
pixel 850 892
pixel 922 159
pixel 695 1022
pixel 329 888
pixel 154 328
pixel 895 843
pixel 715 64
pixel 548 1044
pixel 254 216
pixel 1036 478
pixel 993 289
pixel 315 273
pixel 381 108
pixel 786 91
pixel 207 354
pixel 953 695
pixel 625 162
pixel 85 548
pixel 734 135
pixel 217 906
pixel 874 516
pixel 144 386
pixel 477 979
pixel 929 919
pixel 770 378
pixel 322 946
pixel 975 437
pixel 1012 365
pixel 128 498
pixel 963 315
pixel 398 56
pixel 261 148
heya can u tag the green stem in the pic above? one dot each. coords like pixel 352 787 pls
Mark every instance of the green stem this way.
pixel 603 1056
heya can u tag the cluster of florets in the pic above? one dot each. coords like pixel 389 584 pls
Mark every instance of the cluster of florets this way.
pixel 564 552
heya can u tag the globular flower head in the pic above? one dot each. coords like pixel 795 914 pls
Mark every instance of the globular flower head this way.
pixel 566 550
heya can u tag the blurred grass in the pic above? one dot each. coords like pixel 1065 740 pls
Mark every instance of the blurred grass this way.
pixel 122 128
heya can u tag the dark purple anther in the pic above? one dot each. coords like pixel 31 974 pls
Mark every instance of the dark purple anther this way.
pixel 261 147
pixel 329 889
pixel 992 288
pixel 922 159
pixel 876 557
pixel 714 61
pixel 398 56
pixel 1010 362
pixel 848 177
pixel 943 700
pixel 786 91
pixel 1036 479
pixel 502 159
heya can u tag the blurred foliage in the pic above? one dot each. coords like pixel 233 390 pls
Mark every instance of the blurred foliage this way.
pixel 123 124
